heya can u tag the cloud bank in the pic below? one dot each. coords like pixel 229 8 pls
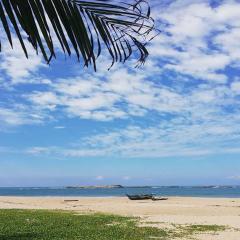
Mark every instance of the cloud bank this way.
pixel 183 102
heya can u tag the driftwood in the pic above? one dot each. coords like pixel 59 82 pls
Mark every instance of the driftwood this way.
pixel 68 200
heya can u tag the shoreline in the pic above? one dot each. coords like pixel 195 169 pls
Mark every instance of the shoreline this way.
pixel 114 196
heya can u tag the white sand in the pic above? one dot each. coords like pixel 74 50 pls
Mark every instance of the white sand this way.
pixel 177 210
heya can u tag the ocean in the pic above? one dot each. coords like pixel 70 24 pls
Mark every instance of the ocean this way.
pixel 190 191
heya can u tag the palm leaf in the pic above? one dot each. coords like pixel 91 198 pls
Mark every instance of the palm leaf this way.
pixel 82 27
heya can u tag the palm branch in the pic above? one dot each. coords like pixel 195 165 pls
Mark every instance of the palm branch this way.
pixel 82 27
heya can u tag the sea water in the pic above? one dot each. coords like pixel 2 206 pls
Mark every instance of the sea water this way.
pixel 189 191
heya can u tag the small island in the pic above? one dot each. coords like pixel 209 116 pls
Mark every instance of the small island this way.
pixel 96 187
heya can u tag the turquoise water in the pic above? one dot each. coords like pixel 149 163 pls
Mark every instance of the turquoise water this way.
pixel 211 191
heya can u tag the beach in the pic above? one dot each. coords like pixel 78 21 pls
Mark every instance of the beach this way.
pixel 174 211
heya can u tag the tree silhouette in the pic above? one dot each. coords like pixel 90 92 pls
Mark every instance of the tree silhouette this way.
pixel 82 27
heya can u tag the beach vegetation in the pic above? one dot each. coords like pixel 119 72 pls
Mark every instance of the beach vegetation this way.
pixel 62 225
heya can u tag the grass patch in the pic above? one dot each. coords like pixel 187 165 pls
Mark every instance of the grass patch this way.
pixel 59 225
pixel 56 225
pixel 203 228
pixel 191 230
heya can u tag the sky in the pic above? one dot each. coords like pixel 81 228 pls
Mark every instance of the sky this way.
pixel 173 121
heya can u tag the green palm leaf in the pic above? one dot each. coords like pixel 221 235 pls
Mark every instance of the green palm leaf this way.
pixel 82 27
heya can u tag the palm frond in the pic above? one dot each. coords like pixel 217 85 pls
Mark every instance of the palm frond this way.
pixel 82 27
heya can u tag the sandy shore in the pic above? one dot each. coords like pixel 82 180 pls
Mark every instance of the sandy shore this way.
pixel 177 210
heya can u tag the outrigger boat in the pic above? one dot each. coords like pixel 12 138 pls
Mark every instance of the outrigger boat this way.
pixel 140 197
pixel 146 197
pixel 155 198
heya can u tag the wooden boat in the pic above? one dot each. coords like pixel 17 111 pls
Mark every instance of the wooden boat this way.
pixel 140 197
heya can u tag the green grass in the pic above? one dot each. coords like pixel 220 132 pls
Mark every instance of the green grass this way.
pixel 190 230
pixel 58 225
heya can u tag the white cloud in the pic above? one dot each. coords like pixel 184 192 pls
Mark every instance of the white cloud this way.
pixel 59 127
pixel 38 150
pixel 117 94
pixel 234 177
pixel 19 115
pixel 100 178
pixel 177 136
pixel 78 152
pixel 46 99
pixel 200 40
pixel 126 178
pixel 235 87
pixel 16 66
pixel 108 98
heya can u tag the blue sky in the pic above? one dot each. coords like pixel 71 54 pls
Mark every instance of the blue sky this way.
pixel 174 121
